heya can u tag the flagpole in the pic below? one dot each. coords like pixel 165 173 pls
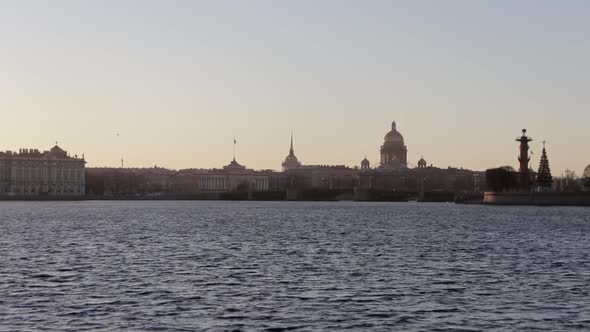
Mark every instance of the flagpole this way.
pixel 234 149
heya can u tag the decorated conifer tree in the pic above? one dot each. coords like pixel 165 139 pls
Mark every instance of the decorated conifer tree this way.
pixel 544 178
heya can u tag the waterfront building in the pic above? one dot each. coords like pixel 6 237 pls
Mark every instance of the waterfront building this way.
pixel 238 178
pixel 31 172
pixel 231 178
pixel 328 177
pixel 391 179
pixel 395 177
pixel 312 179
pixel 394 153
pixel 119 181
pixel 423 178
pixel 291 162
pixel 234 177
pixel 297 181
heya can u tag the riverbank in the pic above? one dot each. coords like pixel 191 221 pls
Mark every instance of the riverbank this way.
pixel 537 198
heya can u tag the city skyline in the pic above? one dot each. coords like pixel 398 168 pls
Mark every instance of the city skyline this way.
pixel 174 85
pixel 296 163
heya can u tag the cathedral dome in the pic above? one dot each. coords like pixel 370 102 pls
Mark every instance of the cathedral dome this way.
pixel 394 153
pixel 291 158
pixel 394 136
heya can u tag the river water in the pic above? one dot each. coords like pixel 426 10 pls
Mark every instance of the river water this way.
pixel 250 266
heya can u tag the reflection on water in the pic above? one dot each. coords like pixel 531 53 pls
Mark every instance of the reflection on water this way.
pixel 292 266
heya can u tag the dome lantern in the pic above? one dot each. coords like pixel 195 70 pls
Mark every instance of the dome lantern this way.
pixel 422 163
pixel 365 164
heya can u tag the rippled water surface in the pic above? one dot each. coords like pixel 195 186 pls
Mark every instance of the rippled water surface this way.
pixel 185 266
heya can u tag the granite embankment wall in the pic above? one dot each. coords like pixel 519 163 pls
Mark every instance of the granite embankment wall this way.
pixel 538 198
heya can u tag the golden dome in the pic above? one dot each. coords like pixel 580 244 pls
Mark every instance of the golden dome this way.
pixel 394 135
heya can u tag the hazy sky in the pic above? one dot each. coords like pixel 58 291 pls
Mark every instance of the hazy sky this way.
pixel 180 79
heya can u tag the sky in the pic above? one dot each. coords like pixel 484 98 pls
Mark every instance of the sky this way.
pixel 172 83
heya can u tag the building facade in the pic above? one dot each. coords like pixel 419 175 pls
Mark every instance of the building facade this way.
pixel 31 172
pixel 393 175
pixel 233 177
pixel 326 177
pixel 108 181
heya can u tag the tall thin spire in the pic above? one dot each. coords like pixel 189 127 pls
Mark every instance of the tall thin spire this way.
pixel 291 161
pixel 291 150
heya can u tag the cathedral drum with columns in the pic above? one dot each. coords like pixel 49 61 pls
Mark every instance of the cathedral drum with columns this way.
pixel 394 153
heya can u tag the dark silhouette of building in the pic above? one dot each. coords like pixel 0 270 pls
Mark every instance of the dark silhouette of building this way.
pixel 394 153
pixel 422 163
pixel 118 181
pixel 365 164
pixel 392 180
pixel 291 161
pixel 503 179
pixel 523 159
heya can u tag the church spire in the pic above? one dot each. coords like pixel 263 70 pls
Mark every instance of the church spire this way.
pixel 291 161
pixel 291 150
pixel 544 178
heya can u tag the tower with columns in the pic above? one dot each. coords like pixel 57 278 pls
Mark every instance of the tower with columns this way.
pixel 523 158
